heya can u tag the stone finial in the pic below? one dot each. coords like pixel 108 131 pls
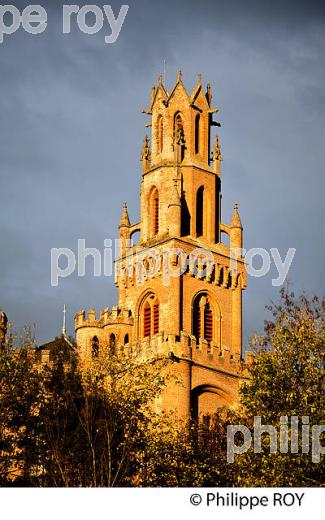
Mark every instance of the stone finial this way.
pixel 153 93
pixel 145 154
pixel 216 154
pixel 235 221
pixel 179 75
pixel 125 221
pixel 209 94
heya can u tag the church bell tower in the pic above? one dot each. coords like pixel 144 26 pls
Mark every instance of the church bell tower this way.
pixel 180 286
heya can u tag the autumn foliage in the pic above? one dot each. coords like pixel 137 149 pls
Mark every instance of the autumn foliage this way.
pixel 100 426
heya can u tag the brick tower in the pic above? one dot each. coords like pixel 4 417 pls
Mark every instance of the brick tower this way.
pixel 180 287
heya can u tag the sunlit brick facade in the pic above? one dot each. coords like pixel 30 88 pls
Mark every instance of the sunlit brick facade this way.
pixel 179 293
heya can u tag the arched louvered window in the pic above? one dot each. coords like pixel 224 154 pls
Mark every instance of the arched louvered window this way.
pixel 203 318
pixel 95 347
pixel 197 133
pixel 156 318
pixel 150 316
pixel 160 126
pixel 199 211
pixel 155 212
pixel 147 319
pixel 112 344
pixel 208 323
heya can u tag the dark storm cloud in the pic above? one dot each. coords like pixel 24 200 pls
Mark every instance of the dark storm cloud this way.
pixel 71 134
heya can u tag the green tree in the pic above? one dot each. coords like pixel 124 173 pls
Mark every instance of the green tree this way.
pixel 20 396
pixel 286 379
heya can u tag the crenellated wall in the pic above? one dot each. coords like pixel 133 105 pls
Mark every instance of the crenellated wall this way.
pixel 110 321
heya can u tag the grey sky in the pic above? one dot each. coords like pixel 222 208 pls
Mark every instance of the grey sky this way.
pixel 71 134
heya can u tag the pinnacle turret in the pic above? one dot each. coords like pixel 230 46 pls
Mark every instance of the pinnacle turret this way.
pixel 125 221
pixel 235 221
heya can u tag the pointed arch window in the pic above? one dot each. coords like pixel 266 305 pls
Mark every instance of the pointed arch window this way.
pixel 208 322
pixel 197 319
pixel 203 318
pixel 126 339
pixel 199 211
pixel 150 316
pixel 95 347
pixel 197 133
pixel 146 320
pixel 156 318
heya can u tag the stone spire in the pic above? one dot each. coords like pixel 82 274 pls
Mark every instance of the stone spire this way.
pixel 125 221
pixel 235 221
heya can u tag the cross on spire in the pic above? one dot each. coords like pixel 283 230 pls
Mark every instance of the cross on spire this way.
pixel 64 325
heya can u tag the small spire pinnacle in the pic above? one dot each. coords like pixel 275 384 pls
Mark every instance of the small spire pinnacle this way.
pixel 160 79
pixel 199 78
pixel 179 76
pixel 125 221
pixel 235 221
pixel 209 94
pixel 216 154
pixel 64 325
pixel 145 154
pixel 153 93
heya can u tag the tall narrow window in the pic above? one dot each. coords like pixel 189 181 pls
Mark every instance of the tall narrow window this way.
pixel 112 344
pixel 197 319
pixel 150 316
pixel 126 339
pixel 95 347
pixel 197 133
pixel 199 211
pixel 156 318
pixel 185 218
pixel 147 320
pixel 155 213
pixel 208 323
pixel 160 134
pixel 203 318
